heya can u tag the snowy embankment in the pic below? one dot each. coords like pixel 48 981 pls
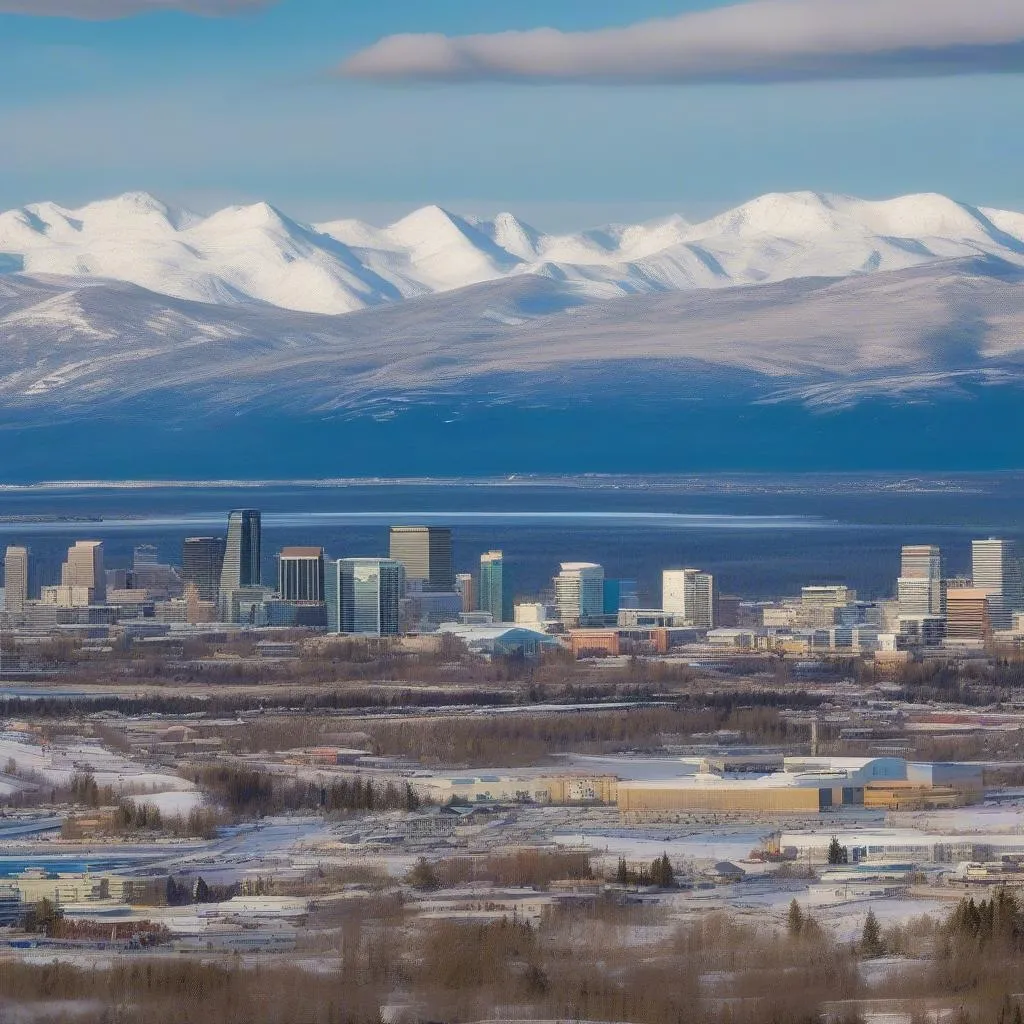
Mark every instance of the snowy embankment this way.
pixel 58 763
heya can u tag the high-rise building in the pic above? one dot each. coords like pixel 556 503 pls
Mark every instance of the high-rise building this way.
pixel 968 614
pixel 363 598
pixel 916 596
pixel 689 595
pixel 495 593
pixel 730 611
pixel 16 579
pixel 202 561
pixel 465 587
pixel 300 574
pixel 921 562
pixel 620 594
pixel 84 570
pixel 426 554
pixel 242 551
pixel 997 572
pixel 579 593
pixel 145 555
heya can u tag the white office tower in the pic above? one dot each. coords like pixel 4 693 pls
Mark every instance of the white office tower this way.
pixel 579 593
pixel 84 570
pixel 921 581
pixel 997 572
pixel 16 579
pixel 688 595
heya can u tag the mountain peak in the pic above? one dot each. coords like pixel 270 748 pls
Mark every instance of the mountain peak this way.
pixel 257 252
pixel 133 208
pixel 254 216
pixel 515 236
pixel 426 221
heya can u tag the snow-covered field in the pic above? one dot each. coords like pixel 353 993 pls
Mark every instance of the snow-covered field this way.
pixel 58 763
pixel 635 845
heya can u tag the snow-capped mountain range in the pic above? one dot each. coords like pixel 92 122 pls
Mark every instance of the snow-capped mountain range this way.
pixel 796 331
pixel 257 253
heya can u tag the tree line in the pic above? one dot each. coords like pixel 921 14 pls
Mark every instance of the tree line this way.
pixel 251 793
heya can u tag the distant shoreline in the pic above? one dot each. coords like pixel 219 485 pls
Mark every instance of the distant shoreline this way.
pixel 699 483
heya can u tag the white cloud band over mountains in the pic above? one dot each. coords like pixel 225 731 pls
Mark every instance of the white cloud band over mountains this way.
pixel 761 40
pixel 101 10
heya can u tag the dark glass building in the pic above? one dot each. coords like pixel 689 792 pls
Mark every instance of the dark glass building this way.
pixel 202 561
pixel 426 553
pixel 300 574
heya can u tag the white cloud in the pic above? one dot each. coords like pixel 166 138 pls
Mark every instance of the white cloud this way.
pixel 762 40
pixel 100 10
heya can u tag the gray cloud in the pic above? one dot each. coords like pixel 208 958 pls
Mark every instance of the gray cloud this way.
pixel 762 40
pixel 101 10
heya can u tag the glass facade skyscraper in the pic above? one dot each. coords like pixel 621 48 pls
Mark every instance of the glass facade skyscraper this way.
pixel 494 596
pixel 242 552
pixel 363 598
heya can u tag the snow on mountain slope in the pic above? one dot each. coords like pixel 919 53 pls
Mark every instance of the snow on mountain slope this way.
pixel 71 348
pixel 243 254
pixel 449 252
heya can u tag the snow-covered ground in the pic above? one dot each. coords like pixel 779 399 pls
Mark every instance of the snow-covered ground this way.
pixel 173 802
pixel 636 845
pixel 58 763
pixel 989 818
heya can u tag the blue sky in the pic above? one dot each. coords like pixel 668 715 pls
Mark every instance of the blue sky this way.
pixel 207 111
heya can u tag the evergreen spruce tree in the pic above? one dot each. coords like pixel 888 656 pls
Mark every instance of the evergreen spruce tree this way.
pixel 622 872
pixel 837 853
pixel 871 938
pixel 796 920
